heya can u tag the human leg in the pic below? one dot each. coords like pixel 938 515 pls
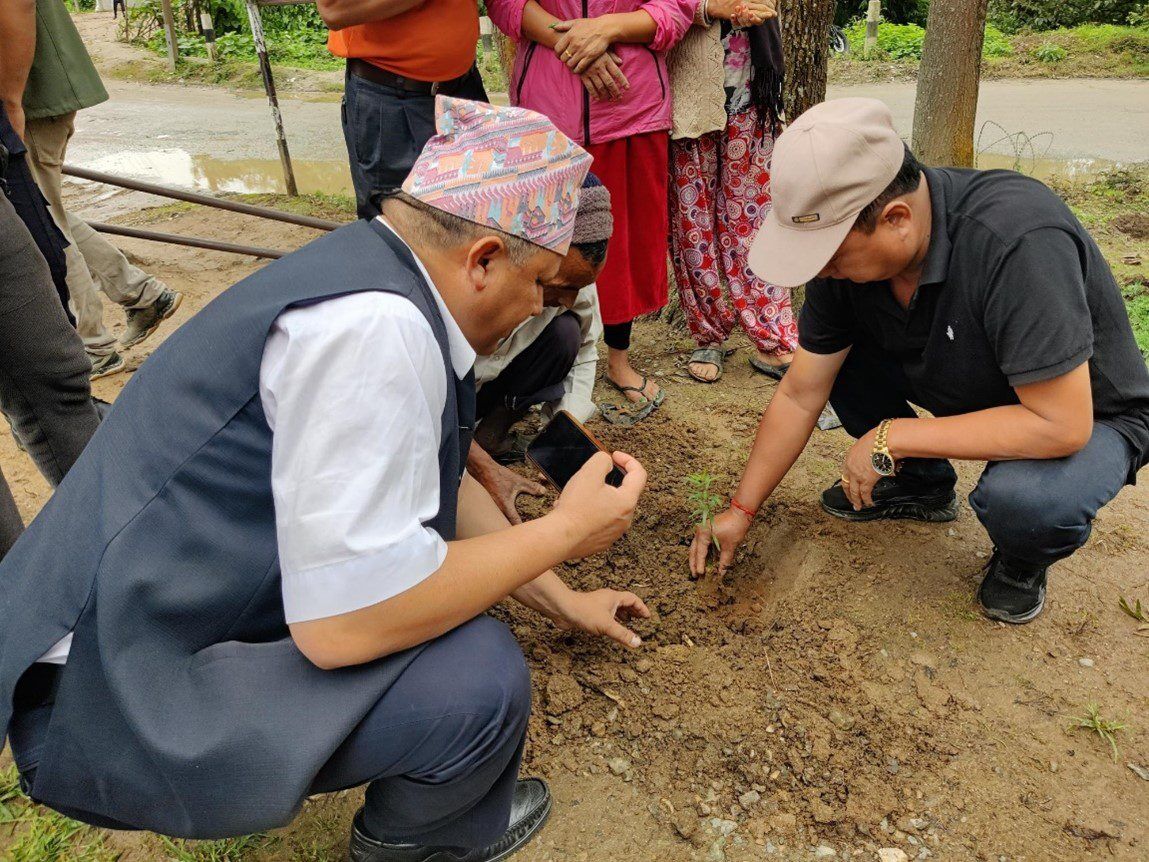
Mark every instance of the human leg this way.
pixel 535 376
pixel 47 140
pixel 635 279
pixel 694 251
pixel 763 309
pixel 441 748
pixel 871 387
pixel 44 387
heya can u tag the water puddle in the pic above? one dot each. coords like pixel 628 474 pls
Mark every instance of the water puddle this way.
pixel 179 168
pixel 204 173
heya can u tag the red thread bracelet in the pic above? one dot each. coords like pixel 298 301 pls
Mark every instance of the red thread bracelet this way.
pixel 734 504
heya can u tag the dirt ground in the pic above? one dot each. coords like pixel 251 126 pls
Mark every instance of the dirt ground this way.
pixel 835 694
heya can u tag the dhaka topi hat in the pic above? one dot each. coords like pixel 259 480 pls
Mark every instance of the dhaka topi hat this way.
pixel 594 222
pixel 504 168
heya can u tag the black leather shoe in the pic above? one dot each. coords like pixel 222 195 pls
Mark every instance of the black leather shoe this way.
pixel 895 498
pixel 1010 592
pixel 530 808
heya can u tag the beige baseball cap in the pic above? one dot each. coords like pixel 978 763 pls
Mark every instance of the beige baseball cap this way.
pixel 828 166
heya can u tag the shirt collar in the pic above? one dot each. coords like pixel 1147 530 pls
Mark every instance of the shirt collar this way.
pixel 462 354
pixel 937 263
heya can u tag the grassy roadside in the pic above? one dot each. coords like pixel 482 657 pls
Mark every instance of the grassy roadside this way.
pixel 1088 51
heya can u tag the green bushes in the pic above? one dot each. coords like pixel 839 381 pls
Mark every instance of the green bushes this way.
pixel 1047 52
pixel 1014 15
pixel 904 41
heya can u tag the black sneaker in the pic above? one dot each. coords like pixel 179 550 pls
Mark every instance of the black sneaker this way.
pixel 895 498
pixel 1011 592
pixel 142 322
pixel 530 809
pixel 106 365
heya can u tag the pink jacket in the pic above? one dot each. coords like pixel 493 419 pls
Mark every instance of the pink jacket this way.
pixel 541 82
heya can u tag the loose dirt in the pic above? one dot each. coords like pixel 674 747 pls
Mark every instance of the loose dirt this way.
pixel 835 694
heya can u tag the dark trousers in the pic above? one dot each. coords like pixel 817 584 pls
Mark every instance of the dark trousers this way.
pixel 536 375
pixel 439 752
pixel 30 205
pixel 1036 511
pixel 385 130
pixel 44 386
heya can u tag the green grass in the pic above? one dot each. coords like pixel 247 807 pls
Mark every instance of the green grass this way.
pixel 224 850
pixel 1090 50
pixel 38 834
pixel 1104 728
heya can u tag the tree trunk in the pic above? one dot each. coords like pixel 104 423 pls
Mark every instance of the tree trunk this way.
pixel 946 106
pixel 806 44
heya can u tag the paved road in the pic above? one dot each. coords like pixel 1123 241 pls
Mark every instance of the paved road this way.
pixel 214 139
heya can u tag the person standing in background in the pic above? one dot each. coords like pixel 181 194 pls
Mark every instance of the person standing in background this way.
pixel 400 55
pixel 597 68
pixel 61 80
pixel 727 82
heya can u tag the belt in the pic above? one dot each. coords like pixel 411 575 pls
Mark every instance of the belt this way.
pixel 372 73
pixel 38 686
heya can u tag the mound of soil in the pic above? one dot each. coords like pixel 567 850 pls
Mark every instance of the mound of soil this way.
pixel 1134 225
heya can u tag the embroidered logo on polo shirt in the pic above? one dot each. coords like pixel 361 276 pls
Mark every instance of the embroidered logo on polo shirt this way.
pixel 950 333
pixel 809 218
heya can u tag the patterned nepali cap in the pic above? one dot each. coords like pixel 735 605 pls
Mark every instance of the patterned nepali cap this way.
pixel 506 168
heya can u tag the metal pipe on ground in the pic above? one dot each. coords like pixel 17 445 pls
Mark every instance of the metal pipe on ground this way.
pixel 197 198
pixel 194 242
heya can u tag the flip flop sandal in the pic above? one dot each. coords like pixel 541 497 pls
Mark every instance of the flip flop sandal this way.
pixel 658 399
pixel 715 356
pixel 776 372
pixel 623 417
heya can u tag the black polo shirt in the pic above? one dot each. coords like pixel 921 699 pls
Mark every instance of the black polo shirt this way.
pixel 1013 291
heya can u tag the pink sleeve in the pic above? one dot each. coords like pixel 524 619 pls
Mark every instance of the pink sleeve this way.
pixel 672 18
pixel 508 16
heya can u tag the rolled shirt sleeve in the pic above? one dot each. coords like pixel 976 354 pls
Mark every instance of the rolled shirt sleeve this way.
pixel 507 15
pixel 1036 314
pixel 353 389
pixel 578 399
pixel 672 18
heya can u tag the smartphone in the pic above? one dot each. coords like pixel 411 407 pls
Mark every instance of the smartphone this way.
pixel 563 447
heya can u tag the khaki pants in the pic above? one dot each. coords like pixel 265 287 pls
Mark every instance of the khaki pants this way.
pixel 94 264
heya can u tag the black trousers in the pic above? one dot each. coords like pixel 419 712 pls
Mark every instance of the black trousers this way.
pixel 536 375
pixel 1035 511
pixel 385 130
pixel 44 386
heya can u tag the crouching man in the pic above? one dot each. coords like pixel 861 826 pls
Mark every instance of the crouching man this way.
pixel 974 294
pixel 550 360
pixel 281 592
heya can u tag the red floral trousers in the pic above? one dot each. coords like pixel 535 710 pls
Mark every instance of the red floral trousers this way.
pixel 719 194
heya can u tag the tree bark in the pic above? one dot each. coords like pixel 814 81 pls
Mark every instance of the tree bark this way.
pixel 806 44
pixel 946 106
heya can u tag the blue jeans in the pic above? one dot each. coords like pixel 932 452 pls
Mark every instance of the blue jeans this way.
pixel 385 130
pixel 1036 511
pixel 439 752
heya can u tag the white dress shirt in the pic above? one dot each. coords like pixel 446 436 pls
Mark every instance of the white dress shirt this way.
pixel 353 389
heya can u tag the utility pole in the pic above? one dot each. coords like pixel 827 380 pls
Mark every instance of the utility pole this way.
pixel 170 33
pixel 873 15
pixel 256 20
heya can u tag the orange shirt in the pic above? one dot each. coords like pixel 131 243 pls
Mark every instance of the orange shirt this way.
pixel 435 41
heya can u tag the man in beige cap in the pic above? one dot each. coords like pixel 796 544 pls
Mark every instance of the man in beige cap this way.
pixel 976 295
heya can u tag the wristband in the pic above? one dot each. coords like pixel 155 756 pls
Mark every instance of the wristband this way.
pixel 734 504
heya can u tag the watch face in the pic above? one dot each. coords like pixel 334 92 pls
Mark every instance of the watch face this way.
pixel 883 464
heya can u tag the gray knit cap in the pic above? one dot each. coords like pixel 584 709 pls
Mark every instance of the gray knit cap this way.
pixel 593 222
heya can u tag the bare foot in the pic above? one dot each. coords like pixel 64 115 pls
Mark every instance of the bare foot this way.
pixel 707 372
pixel 622 373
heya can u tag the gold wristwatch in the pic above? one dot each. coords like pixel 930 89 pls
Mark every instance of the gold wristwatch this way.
pixel 883 461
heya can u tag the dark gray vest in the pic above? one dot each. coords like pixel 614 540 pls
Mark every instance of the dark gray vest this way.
pixel 185 707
